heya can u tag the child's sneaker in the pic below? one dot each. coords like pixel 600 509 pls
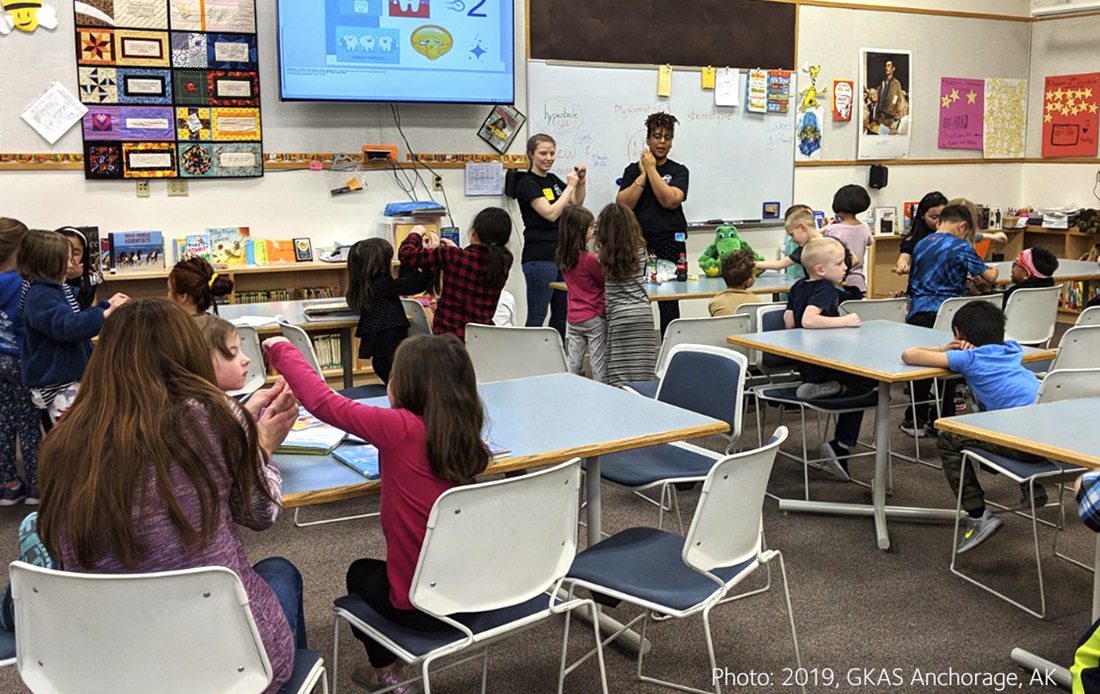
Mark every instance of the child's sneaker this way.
pixel 10 496
pixel 917 431
pixel 978 530
pixel 814 391
pixel 31 549
pixel 33 496
pixel 830 461
pixel 386 682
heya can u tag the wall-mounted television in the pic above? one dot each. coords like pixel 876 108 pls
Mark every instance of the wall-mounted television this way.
pixel 459 51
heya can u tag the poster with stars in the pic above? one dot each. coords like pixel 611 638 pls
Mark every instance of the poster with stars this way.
pixel 1069 115
pixel 962 113
pixel 1005 126
pixel 172 88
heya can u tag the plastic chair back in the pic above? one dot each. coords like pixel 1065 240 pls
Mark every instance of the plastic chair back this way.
pixel 877 309
pixel 496 544
pixel 769 319
pixel 752 310
pixel 707 380
pixel 1090 316
pixel 257 374
pixel 726 529
pixel 1068 384
pixel 503 354
pixel 179 631
pixel 418 320
pixel 950 307
pixel 1079 348
pixel 1031 314
pixel 701 331
pixel 300 339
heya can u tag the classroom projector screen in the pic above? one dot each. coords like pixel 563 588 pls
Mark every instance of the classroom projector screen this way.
pixel 397 50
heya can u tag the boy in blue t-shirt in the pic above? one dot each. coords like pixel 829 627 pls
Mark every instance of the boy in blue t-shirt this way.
pixel 814 303
pixel 993 367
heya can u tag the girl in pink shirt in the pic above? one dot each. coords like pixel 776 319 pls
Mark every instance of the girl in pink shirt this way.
pixel 856 236
pixel 586 329
pixel 429 440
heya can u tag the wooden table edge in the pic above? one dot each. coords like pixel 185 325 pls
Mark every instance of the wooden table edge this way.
pixel 952 425
pixel 354 491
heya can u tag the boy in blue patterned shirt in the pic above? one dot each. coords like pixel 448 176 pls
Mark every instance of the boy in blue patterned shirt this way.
pixel 993 367
pixel 941 264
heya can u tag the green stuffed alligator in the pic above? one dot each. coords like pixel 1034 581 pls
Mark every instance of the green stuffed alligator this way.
pixel 726 241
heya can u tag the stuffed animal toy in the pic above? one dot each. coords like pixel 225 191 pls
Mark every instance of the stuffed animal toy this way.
pixel 726 241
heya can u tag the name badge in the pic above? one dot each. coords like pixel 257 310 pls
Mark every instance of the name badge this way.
pixel 681 236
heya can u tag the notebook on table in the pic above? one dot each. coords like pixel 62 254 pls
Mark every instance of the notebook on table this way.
pixel 324 309
pixel 363 458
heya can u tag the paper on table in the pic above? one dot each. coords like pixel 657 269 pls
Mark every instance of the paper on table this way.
pixel 485 178
pixel 726 92
pixel 54 112
pixel 252 321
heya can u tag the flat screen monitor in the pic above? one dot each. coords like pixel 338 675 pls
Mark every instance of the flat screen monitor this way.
pixel 439 51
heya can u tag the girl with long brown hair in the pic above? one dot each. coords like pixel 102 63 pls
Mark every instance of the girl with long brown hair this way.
pixel 153 467
pixel 428 441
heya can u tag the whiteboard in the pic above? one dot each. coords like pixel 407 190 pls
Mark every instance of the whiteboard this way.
pixel 737 160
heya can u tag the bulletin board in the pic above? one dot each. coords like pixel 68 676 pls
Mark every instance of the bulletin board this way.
pixel 1062 47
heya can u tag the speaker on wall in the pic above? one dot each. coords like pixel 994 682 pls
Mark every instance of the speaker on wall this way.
pixel 880 176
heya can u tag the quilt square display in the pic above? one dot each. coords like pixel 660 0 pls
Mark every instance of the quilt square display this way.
pixel 192 123
pixel 95 46
pixel 188 49
pixel 142 48
pixel 98 85
pixel 141 14
pixel 231 51
pixel 234 88
pixel 102 160
pixel 149 159
pixel 144 86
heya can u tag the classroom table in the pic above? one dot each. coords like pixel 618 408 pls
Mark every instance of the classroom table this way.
pixel 1053 430
pixel 292 312
pixel 1068 271
pixel 874 351
pixel 706 287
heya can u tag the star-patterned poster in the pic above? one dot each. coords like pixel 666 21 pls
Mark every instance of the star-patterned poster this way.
pixel 1070 115
pixel 1005 118
pixel 962 113
pixel 172 88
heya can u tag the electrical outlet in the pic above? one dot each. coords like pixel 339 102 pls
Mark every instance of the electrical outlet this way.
pixel 143 189
pixel 437 182
pixel 178 188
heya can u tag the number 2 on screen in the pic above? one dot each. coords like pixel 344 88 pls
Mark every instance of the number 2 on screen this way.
pixel 473 10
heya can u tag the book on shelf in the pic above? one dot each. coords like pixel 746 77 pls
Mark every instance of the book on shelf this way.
pixel 885 220
pixel 280 251
pixel 92 251
pixel 228 246
pixel 363 458
pixel 196 245
pixel 910 210
pixel 325 309
pixel 256 252
pixel 134 251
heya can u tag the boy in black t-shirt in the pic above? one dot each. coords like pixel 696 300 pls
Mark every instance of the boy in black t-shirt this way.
pixel 813 303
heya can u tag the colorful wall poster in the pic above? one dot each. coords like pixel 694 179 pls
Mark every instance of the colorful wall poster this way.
pixel 1005 124
pixel 756 87
pixel 885 111
pixel 1069 115
pixel 172 88
pixel 843 99
pixel 962 113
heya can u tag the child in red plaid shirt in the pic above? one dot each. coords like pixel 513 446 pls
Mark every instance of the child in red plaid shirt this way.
pixel 473 277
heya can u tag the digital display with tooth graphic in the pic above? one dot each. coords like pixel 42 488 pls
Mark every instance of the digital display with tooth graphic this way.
pixel 397 50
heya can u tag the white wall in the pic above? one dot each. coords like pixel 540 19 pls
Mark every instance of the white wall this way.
pixel 1010 8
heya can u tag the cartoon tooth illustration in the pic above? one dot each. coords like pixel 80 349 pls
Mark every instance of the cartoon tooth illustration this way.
pixel 350 42
pixel 367 42
pixel 385 43
pixel 361 7
pixel 26 16
pixel 409 5
pixel 431 41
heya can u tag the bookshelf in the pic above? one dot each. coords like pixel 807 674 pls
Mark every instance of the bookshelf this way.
pixel 262 283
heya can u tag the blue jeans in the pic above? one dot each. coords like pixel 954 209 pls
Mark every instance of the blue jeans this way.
pixel 286 581
pixel 539 274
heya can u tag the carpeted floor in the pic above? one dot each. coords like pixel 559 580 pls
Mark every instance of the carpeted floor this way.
pixel 868 620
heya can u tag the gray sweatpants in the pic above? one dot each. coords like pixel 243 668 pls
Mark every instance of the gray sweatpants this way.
pixel 588 336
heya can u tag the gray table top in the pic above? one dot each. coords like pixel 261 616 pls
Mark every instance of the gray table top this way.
pixel 1068 270
pixel 542 420
pixel 872 350
pixel 1056 430
pixel 705 287
pixel 291 311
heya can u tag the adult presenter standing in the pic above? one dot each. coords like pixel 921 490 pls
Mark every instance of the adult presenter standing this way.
pixel 542 197
pixel 655 187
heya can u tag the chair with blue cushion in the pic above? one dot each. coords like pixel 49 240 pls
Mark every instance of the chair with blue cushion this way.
pixel 785 396
pixel 1057 385
pixel 493 559
pixel 704 379
pixel 7 648
pixel 711 331
pixel 158 633
pixel 673 576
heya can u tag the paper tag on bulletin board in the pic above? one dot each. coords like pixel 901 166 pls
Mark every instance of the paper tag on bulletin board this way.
pixel 843 97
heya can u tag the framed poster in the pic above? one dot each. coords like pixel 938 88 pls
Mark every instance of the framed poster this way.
pixel 886 95
pixel 500 127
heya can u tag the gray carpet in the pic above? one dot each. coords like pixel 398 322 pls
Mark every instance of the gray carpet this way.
pixel 866 617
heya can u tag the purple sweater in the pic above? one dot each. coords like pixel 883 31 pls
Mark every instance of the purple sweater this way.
pixel 165 553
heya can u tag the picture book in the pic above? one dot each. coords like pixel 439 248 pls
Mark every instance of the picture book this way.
pixel 280 251
pixel 132 251
pixel 228 245
pixel 305 420
pixel 197 244
pixel 256 252
pixel 323 309
pixel 910 209
pixel 362 458
pixel 496 450
pixel 95 269
pixel 314 440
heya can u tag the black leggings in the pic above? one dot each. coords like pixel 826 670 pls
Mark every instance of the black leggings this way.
pixel 921 389
pixel 367 578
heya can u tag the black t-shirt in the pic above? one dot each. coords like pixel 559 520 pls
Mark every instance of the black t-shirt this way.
pixel 540 235
pixel 659 225
pixel 820 293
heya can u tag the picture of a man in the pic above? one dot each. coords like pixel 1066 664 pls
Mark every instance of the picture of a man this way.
pixel 885 96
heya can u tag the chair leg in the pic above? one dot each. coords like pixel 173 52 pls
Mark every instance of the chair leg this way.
pixel 335 654
pixel 790 614
pixel 717 681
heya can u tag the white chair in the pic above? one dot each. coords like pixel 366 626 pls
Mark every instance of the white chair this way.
pixel 752 310
pixel 1079 348
pixel 876 309
pixel 711 331
pixel 257 374
pixel 704 379
pixel 1090 316
pixel 1057 385
pixel 176 631
pixel 1031 315
pixel 672 576
pixel 951 306
pixel 418 320
pixel 493 559
pixel 300 339
pixel 503 354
